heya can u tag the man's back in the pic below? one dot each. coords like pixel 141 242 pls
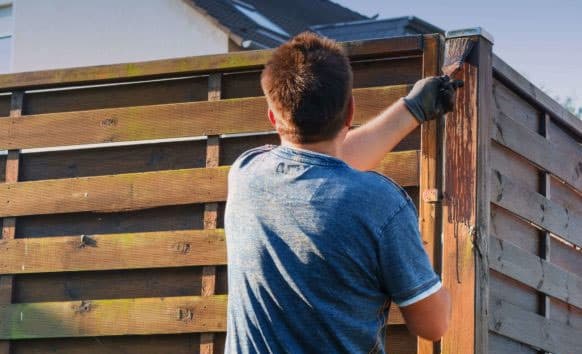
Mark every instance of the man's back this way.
pixel 315 251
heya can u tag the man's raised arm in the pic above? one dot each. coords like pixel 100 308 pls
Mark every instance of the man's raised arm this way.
pixel 365 146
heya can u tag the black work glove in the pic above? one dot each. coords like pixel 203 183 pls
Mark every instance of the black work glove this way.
pixel 432 97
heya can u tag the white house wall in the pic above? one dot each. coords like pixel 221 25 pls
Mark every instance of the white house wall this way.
pixel 51 34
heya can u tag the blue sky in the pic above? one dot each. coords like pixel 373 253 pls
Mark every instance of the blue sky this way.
pixel 540 39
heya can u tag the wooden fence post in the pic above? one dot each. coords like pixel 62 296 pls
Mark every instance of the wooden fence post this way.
pixel 9 224
pixel 430 181
pixel 211 210
pixel 466 193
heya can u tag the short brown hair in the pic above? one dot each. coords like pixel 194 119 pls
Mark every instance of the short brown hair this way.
pixel 308 80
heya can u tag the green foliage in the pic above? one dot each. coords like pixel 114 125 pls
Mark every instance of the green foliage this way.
pixel 568 103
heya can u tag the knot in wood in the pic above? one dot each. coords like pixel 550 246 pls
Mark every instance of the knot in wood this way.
pixel 83 307
pixel 109 122
pixel 185 314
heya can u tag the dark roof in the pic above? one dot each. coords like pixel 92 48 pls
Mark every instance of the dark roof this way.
pixel 291 16
pixel 368 29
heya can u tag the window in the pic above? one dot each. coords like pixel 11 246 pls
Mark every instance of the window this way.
pixel 6 28
pixel 252 13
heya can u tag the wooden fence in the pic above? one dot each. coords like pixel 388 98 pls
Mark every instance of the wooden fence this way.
pixel 119 247
pixel 115 182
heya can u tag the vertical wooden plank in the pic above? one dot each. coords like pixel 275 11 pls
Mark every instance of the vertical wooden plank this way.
pixel 211 210
pixel 545 245
pixel 9 224
pixel 466 196
pixel 429 184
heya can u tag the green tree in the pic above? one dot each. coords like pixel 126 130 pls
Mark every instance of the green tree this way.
pixel 568 103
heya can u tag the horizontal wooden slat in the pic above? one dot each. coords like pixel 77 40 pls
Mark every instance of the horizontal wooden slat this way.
pixel 530 328
pixel 538 150
pixel 114 192
pixel 242 115
pixel 133 191
pixel 531 270
pixel 402 167
pixel 515 80
pixel 111 252
pixel 536 208
pixel 245 60
pixel 90 318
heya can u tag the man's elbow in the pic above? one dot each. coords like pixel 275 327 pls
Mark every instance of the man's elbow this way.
pixel 429 318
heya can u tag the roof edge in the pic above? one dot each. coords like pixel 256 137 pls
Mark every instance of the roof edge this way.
pixel 233 36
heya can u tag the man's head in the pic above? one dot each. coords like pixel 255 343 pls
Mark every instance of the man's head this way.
pixel 308 83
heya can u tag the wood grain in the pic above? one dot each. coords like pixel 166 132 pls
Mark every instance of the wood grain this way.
pixel 241 115
pixel 530 328
pixel 429 213
pixel 538 150
pixel 236 61
pixel 111 252
pixel 535 272
pixel 536 208
pixel 115 192
pixel 133 191
pixel 211 211
pixel 90 318
pixel 511 77
pixel 8 232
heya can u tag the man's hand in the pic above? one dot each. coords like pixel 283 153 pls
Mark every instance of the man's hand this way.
pixel 432 97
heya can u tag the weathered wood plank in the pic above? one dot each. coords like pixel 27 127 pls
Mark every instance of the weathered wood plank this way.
pixel 536 272
pixel 533 329
pixel 133 191
pixel 234 61
pixel 538 150
pixel 514 79
pixel 91 318
pixel 110 252
pixel 114 192
pixel 242 115
pixel 536 208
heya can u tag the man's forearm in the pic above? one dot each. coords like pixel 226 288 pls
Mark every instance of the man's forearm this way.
pixel 365 146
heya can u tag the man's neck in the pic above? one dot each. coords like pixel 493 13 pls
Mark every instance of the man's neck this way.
pixel 331 147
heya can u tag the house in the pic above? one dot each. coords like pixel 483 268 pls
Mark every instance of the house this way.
pixel 50 34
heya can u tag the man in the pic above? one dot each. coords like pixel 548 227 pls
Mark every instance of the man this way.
pixel 317 248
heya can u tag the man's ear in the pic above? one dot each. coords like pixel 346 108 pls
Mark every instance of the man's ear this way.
pixel 271 116
pixel 350 112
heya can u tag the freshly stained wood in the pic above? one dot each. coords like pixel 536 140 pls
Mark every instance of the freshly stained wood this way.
pixel 530 328
pixel 530 91
pixel 133 191
pixel 535 272
pixel 109 252
pixel 535 148
pixel 242 115
pixel 91 318
pixel 536 208
pixel 429 179
pixel 235 61
pixel 114 192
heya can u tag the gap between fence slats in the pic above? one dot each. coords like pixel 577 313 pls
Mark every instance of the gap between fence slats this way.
pixel 530 328
pixel 134 191
pixel 538 150
pixel 534 94
pixel 535 272
pixel 196 65
pixel 536 208
pixel 178 120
